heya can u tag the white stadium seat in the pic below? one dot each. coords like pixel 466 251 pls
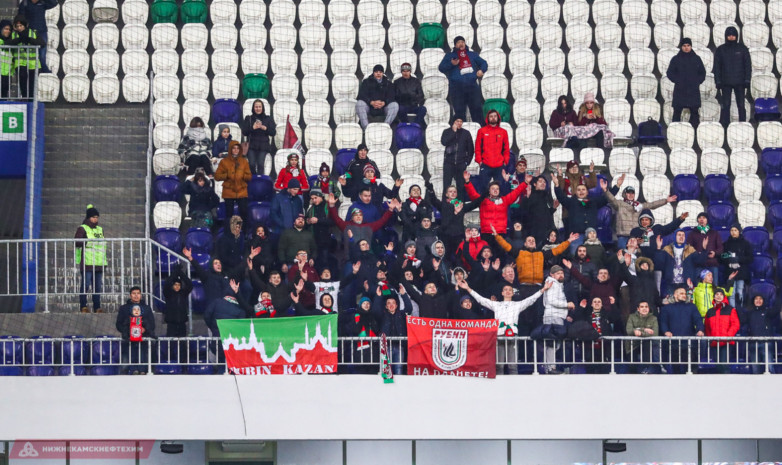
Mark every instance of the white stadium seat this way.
pixel 608 35
pixel 613 86
pixel 575 11
pixel 524 86
pixel 519 35
pixel 222 12
pixel 225 36
pixel 680 135
pixel 135 88
pixel 165 111
pixel 370 11
pixel 284 108
pixel 747 188
pixel 710 135
pixel 769 134
pixel 134 12
pixel 522 61
pixel 107 61
pixel 385 163
pixel 134 37
pixel 743 161
pixel 581 60
pixel 409 162
pixel 166 162
pixel 167 215
pixel 285 86
pixel 48 87
pixel 344 111
pixel 752 213
pixel 166 135
pixel 401 56
pixel 195 86
pixel 282 11
pixel 437 110
pixel 605 11
pixel 105 36
pixel 714 161
pixel 75 36
pixel 692 11
pixel 652 160
pixel 194 61
pixel 372 36
pixel 490 35
pixel 75 61
pixel 315 86
pixel 611 61
pixel 316 111
pixel 252 37
pixel 166 86
pixel 225 86
pixel 318 136
pixel 655 187
pixel 578 35
pixel 683 161
pixel 635 11
pixel 371 57
pixel 378 136
pixel 164 35
pixel 344 86
pixel 75 11
pixel 312 36
pixel 516 11
pixel 401 36
pixel 429 11
pixel 529 136
pixel 348 135
pixel 342 36
pixel 225 61
pixel 315 157
pixel 693 208
pixel 254 61
pixel 341 12
pixel 548 35
pixel 105 89
pixel 494 86
pixel 252 12
pixel 458 11
pixel 400 12
pixel 284 61
pixel 740 135
pixel 752 10
pixel 622 160
pixel 644 109
pixel 342 61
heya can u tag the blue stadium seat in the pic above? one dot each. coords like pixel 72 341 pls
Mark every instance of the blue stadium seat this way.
pixel 597 190
pixel 221 211
pixel 766 109
pixel 342 160
pixel 76 348
pixel 758 237
pixel 765 288
pixel 11 349
pixel 605 216
pixel 775 214
pixel 105 352
pixel 772 187
pixel 762 268
pixel 227 110
pixel 409 136
pixel 166 188
pixel 260 189
pixel 39 350
pixel 779 267
pixel 202 259
pixel 721 214
pixel 11 371
pixel 199 240
pixel 687 187
pixel 172 240
pixel 771 160
pixel 198 297
pixel 258 213
pixel 168 359
pixel 724 234
pixel 40 371
pixel 777 240
pixel 717 188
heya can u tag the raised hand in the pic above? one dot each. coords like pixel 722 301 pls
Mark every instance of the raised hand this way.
pixel 342 181
pixel 611 299
pixel 399 182
pixel 684 216
pixel 356 267
pixel 621 180
pixel 496 264
pixel 458 208
pixel 389 247
pixel 303 275
pixel 350 234
pixel 294 297
pixel 463 285
pixel 659 241
pixel 689 283
pixel 505 175
pixel 187 252
pixel 548 285
pixel 332 200
pixel 493 230
pixel 402 290
pixel 299 286
pixel 555 179
pixel 234 285
pixel 249 263
pixel 378 291
pixel 628 260
pixel 671 198
pixel 528 180
pixel 603 184
pixel 573 237
pixel 555 204
pixel 254 252
pixel 486 264
pixel 466 176
pixel 435 264
pixel 583 303
pixel 567 263
pixel 733 275
pixel 705 243
pixel 366 286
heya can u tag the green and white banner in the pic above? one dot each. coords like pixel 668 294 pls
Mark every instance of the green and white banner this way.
pixel 13 122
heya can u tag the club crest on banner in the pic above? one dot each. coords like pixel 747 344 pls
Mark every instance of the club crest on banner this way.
pixel 449 348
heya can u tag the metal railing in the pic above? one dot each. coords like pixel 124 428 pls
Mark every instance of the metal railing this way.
pixel 203 355
pixel 20 85
pixel 47 269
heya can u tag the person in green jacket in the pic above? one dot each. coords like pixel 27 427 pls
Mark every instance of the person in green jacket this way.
pixel 703 294
pixel 25 59
pixel 642 324
pixel 6 59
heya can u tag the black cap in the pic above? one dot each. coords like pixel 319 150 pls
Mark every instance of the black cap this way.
pixel 92 211
pixel 457 39
pixel 378 68
pixel 685 41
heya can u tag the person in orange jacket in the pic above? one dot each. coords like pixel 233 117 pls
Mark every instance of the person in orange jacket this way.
pixel 234 171
pixel 492 149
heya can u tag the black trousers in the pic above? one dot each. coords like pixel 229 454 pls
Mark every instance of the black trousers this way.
pixel 695 119
pixel 454 171
pixel 738 91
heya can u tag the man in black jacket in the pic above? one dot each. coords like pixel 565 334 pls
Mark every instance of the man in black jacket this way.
pixel 409 96
pixel 732 74
pixel 376 98
pixel 176 291
pixel 686 72
pixel 459 150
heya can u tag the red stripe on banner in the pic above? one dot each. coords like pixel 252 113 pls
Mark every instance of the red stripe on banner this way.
pixel 451 347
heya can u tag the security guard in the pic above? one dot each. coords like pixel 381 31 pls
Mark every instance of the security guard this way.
pixel 6 59
pixel 25 59
pixel 91 258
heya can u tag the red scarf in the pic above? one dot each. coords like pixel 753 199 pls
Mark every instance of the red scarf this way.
pixel 324 184
pixel 384 289
pixel 632 203
pixel 415 200
pixel 411 258
pixel 464 59
pixel 265 308
pixel 597 327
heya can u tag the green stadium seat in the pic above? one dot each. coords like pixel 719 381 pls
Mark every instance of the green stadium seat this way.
pixel 256 86
pixel 164 11
pixel 501 105
pixel 431 35
pixel 194 11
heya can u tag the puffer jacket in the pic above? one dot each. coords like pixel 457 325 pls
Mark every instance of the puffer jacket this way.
pixel 636 321
pixel 284 176
pixel 494 212
pixel 703 296
pixel 722 322
pixel 455 75
pixel 732 62
pixel 627 215
pixel 235 174
pixel 530 265
pixel 492 147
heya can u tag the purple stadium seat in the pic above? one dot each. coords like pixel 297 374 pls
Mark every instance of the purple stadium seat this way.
pixel 166 188
pixel 771 160
pixel 104 352
pixel 258 213
pixel 765 288
pixel 11 348
pixel 766 109
pixel 221 211
pixel 605 216
pixel 260 189
pixel 40 371
pixel 718 188
pixel 762 268
pixel 605 235
pixel 158 301
pixel 343 159
pixel 687 187
pixel 758 237
pixel 74 350
pixel 724 234
pixel 199 240
pixel 777 240
pixel 39 351
pixel 779 268
pixel 168 358
pixel 226 110
pixel 772 187
pixel 198 297
pixel 202 259
pixel 597 191
pixel 171 239
pixel 721 214
pixel 11 371
pixel 775 214
pixel 409 136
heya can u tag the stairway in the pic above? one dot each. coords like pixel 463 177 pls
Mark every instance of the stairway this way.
pixel 95 156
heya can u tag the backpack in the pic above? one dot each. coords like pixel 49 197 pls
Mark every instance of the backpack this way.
pixel 650 132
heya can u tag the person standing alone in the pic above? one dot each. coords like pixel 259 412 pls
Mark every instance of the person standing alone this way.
pixel 732 74
pixel 90 258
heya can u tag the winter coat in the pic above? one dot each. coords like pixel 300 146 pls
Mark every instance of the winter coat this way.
pixel 225 309
pixel 459 147
pixel 627 215
pixel 147 320
pixel 371 90
pixel 492 147
pixel 411 214
pixel 574 288
pixel 580 216
pixel 378 190
pixel 452 223
pixel 643 286
pixel 424 239
pixel 557 118
pixel 686 71
pixel 177 304
pixel 648 243
pixel 732 63
pixel 235 174
pixel 722 322
pixel 322 229
pixel 665 261
pixel 715 245
pixel 230 249
pixel 202 199
pixel 736 255
pixel 408 92
pixel 680 319
pixel 371 211
pixel 605 290
pixel 363 231
pixel 292 240
pixel 259 138
pixel 703 296
pixel 266 257
pixel 358 323
pixel 468 251
pixel 596 253
pixel 392 325
pixel 35 13
pixel 221 145
pixel 435 306
pixel 458 81
pixel 762 322
pixel 215 284
pixel 284 176
pixel 285 208
pixel 280 294
pixel 568 181
pixel 538 213
pixel 494 212
pixel 530 264
pixel 636 321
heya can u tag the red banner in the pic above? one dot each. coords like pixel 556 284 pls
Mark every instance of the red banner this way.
pixel 451 347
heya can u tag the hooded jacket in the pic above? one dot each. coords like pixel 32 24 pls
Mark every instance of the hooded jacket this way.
pixel 235 174
pixel 582 214
pixel 494 212
pixel 492 147
pixel 647 243
pixel 177 304
pixel 459 147
pixel 627 215
pixel 538 213
pixel 737 255
pixel 761 321
pixel 732 62
pixel 259 138
pixel 288 173
pixel 228 308
pixel 686 71
pixel 202 198
pixel 530 264
pixel 643 286
pixel 722 322
pixel 455 75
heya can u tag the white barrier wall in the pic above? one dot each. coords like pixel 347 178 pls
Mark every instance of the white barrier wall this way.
pixel 362 407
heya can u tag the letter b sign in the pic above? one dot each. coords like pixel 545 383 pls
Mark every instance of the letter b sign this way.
pixel 13 123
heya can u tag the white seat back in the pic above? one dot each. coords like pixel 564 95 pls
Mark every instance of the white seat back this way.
pixel 202 109
pixel 252 36
pixel 318 136
pixel 105 89
pixel 165 162
pixel 135 88
pixel 622 160
pixel 344 111
pixel 107 61
pixel 75 12
pixel 378 136
pixel 225 36
pixel 348 135
pixel 255 61
pixel 315 86
pixel 75 61
pixel 105 36
pixel 225 85
pixel 134 37
pixel 316 62
pixel 683 161
pixel 195 86
pixel 316 157
pixel 752 213
pixel 225 61
pixel 135 12
pixel 747 188
pixel 75 36
pixel 167 215
pixel 252 12
pixel 714 160
pixel 48 87
pixel 409 162
pixel 165 111
pixel 164 35
pixel 316 111
pixel 652 160
pixel 743 161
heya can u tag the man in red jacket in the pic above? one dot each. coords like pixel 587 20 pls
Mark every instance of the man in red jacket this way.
pixel 492 149
pixel 722 320
pixel 494 209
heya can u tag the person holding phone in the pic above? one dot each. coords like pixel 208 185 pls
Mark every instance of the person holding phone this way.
pixel 463 68
pixel 257 128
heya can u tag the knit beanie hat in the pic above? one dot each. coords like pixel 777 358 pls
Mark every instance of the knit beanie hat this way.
pixel 457 39
pixel 703 274
pixel 92 211
pixel 361 301
pixel 324 167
